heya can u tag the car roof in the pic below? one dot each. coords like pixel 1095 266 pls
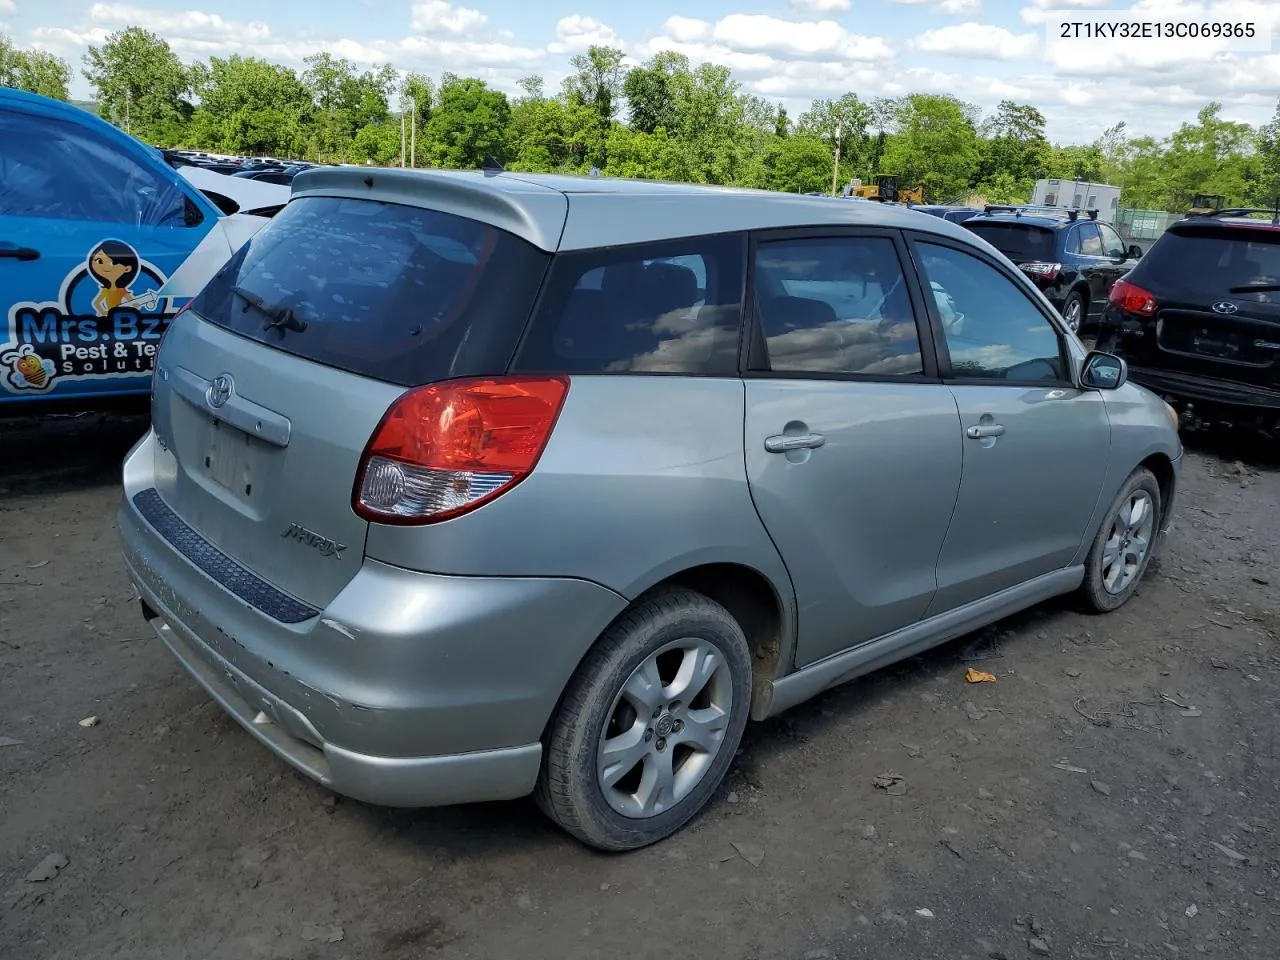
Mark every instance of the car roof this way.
pixel 561 213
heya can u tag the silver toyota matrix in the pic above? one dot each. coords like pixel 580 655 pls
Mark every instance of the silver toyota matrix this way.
pixel 466 486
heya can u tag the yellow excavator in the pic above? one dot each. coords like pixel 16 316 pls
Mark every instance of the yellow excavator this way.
pixel 886 188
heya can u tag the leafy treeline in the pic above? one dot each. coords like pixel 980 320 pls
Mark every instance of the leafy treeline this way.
pixel 667 119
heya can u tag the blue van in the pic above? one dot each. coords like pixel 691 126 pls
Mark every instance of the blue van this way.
pixel 92 223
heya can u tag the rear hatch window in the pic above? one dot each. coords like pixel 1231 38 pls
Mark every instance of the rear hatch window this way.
pixel 388 291
pixel 1213 262
pixel 1021 243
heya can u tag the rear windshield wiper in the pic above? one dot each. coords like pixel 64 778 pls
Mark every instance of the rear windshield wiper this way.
pixel 1257 288
pixel 279 318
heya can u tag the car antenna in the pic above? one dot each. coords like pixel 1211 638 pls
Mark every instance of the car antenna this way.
pixel 492 167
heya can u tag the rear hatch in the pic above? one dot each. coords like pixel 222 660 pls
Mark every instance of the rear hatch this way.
pixel 1031 248
pixel 1216 287
pixel 269 388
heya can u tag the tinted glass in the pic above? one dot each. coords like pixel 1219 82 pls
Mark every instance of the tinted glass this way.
pixel 652 308
pixel 995 331
pixel 1112 245
pixel 394 292
pixel 1021 243
pixel 1203 264
pixel 62 171
pixel 1090 242
pixel 836 305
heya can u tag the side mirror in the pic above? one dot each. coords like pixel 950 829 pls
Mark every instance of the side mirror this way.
pixel 1135 252
pixel 1103 371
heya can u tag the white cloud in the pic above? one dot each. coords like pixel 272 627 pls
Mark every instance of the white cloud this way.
pixel 954 7
pixel 791 39
pixel 978 41
pixel 8 6
pixel 433 15
pixel 576 33
pixel 821 6
pixel 687 30
pixel 181 23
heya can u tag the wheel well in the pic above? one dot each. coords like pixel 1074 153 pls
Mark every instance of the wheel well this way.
pixel 1082 289
pixel 1162 469
pixel 751 600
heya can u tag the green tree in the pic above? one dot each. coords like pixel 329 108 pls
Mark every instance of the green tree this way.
pixel 141 85
pixel 853 119
pixel 648 92
pixel 934 144
pixel 469 124
pixel 248 105
pixel 34 71
pixel 1213 156
pixel 802 164
pixel 1267 191
pixel 1014 152
pixel 597 83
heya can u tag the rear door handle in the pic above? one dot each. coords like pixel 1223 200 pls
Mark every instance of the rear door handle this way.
pixel 14 252
pixel 785 442
pixel 985 430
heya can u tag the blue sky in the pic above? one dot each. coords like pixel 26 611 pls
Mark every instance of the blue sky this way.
pixel 786 50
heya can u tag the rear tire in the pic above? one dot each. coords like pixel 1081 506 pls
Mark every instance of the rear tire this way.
pixel 649 724
pixel 1122 549
pixel 1073 312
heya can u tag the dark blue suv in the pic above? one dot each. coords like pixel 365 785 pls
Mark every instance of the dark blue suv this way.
pixel 1069 254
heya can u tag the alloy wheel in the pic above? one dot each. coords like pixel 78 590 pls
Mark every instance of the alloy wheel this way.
pixel 1128 542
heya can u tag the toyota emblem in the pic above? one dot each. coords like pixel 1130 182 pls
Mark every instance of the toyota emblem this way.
pixel 220 390
pixel 1225 306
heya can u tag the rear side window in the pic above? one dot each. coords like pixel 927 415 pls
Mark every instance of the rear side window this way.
pixel 836 305
pixel 1021 243
pixel 393 292
pixel 1213 262
pixel 673 307
pixel 58 170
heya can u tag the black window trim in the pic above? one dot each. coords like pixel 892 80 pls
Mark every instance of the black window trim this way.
pixel 753 348
pixel 1056 323
pixel 545 289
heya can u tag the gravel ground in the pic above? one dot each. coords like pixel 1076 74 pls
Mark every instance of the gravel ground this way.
pixel 1112 796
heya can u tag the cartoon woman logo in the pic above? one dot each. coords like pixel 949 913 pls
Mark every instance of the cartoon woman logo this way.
pixel 115 266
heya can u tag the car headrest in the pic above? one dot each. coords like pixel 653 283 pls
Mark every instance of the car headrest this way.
pixel 779 314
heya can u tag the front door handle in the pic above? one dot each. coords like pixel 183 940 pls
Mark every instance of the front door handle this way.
pixel 984 430
pixel 14 252
pixel 783 443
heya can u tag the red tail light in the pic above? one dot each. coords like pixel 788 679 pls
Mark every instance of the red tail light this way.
pixel 445 449
pixel 1131 298
pixel 1041 271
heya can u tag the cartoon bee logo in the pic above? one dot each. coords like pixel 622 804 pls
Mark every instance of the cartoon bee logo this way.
pixel 27 369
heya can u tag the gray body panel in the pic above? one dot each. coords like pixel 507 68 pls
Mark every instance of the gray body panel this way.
pixel 421 664
pixel 1027 495
pixel 859 520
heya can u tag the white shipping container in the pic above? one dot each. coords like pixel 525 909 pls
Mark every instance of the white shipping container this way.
pixel 1082 194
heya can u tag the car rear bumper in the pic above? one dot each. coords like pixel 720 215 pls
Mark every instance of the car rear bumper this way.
pixel 1237 397
pixel 409 689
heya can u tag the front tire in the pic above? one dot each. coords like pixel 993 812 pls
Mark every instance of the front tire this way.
pixel 1124 544
pixel 649 724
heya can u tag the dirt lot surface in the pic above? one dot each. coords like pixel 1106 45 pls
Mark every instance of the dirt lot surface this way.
pixel 1113 795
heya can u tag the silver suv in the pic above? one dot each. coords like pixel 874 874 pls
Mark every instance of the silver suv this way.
pixel 462 487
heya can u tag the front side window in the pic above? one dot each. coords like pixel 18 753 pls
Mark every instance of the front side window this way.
pixel 673 307
pixel 57 170
pixel 1090 241
pixel 836 305
pixel 1112 245
pixel 997 332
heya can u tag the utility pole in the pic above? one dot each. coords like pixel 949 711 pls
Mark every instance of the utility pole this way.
pixel 413 135
pixel 835 169
pixel 128 95
pixel 402 139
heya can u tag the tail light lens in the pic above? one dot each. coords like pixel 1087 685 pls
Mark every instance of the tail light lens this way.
pixel 1131 298
pixel 1042 271
pixel 447 448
